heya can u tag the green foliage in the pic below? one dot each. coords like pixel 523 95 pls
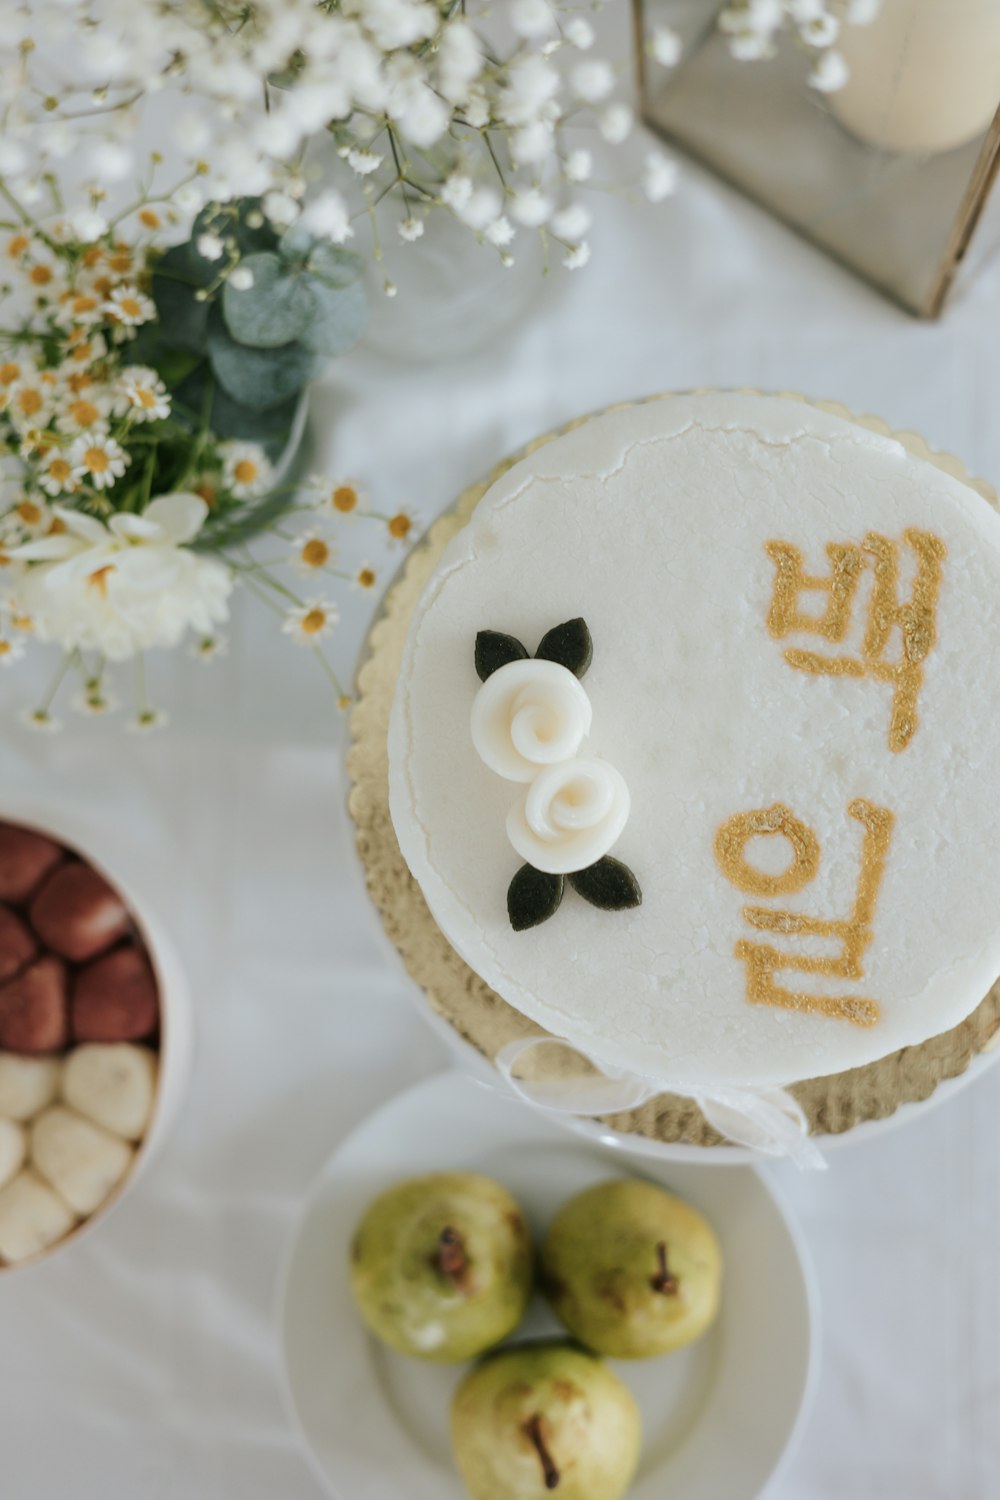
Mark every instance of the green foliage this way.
pixel 239 359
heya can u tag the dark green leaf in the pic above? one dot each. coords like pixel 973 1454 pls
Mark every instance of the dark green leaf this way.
pixel 340 319
pixel 329 263
pixel 608 884
pixel 183 320
pixel 532 897
pixel 276 310
pixel 258 378
pixel 568 644
pixel 495 650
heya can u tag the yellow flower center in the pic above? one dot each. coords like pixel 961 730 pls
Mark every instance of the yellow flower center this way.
pixel 57 527
pixel 40 275
pixel 99 579
pixel 313 621
pixel 60 470
pixel 21 622
pixel 84 413
pixel 366 578
pixel 206 492
pixel 130 306
pixel 143 396
pixel 83 304
pixel 9 372
pixel 120 261
pixel 29 401
pixel 245 471
pixel 5 648
pixel 151 220
pixel 96 460
pixel 399 526
pixel 17 245
pixel 78 381
pixel 29 512
pixel 92 255
pixel 345 499
pixel 315 553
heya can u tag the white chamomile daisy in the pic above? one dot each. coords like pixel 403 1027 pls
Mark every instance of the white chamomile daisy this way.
pixel 246 470
pixel 12 648
pixel 343 499
pixel 97 458
pixel 312 553
pixel 148 721
pixel 130 307
pixel 56 473
pixel 307 624
pixel 142 394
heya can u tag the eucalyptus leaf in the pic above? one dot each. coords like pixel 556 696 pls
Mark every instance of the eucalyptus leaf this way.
pixel 277 309
pixel 200 392
pixel 330 263
pixel 258 378
pixel 340 319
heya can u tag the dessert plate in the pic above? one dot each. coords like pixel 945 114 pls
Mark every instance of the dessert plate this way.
pixel 718 1417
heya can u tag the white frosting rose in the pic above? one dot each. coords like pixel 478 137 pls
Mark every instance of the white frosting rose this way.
pixel 528 715
pixel 570 816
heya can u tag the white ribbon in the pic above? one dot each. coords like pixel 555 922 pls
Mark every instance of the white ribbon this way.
pixel 770 1121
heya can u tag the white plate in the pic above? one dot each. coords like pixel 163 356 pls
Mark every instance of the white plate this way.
pixel 718 1416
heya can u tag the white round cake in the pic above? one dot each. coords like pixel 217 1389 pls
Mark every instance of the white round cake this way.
pixel 691 753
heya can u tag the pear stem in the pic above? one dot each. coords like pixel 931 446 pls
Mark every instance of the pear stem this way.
pixel 450 1258
pixel 549 1470
pixel 663 1281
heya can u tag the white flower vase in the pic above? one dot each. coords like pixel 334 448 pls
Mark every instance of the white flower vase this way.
pixel 453 295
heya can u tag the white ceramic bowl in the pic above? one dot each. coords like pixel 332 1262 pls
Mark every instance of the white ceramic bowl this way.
pixel 718 1416
pixel 91 841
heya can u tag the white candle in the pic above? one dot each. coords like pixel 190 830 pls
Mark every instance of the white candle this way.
pixel 924 75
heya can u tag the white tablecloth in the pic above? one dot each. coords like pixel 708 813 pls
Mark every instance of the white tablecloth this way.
pixel 144 1365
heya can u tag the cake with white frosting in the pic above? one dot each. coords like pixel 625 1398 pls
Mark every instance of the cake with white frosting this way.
pixel 690 753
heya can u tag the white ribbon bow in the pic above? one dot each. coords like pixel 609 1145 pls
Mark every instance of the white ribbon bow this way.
pixel 770 1121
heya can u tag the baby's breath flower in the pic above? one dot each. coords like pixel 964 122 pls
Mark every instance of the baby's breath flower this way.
pixel 578 257
pixel 500 232
pixel 579 33
pixel 410 228
pixel 659 177
pixel 532 18
pixel 241 277
pixel 456 191
pixel 572 222
pixel 665 46
pixel 363 163
pixel 210 246
pixel 531 207
pixel 578 165
pixel 829 74
pixel 615 123
pixel 309 623
pixel 593 81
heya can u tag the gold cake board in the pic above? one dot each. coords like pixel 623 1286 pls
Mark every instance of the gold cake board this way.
pixel 832 1104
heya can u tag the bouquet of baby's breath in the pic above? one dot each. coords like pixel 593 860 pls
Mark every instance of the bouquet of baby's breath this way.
pixel 131 380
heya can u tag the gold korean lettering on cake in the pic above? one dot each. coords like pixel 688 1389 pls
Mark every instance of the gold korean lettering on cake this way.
pixel 914 618
pixel 852 934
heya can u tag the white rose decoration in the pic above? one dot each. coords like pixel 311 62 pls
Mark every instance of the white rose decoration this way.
pixel 529 715
pixel 570 815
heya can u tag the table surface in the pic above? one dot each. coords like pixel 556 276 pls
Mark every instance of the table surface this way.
pixel 145 1363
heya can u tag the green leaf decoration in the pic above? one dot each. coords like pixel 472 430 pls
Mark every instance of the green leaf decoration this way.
pixel 569 644
pixel 276 310
pixel 258 378
pixel 340 319
pixel 330 263
pixel 532 897
pixel 183 321
pixel 608 884
pixel 495 650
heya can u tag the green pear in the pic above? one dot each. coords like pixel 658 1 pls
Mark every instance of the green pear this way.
pixel 441 1266
pixel 631 1270
pixel 541 1418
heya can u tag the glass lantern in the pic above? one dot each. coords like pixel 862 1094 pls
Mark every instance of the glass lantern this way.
pixel 890 174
